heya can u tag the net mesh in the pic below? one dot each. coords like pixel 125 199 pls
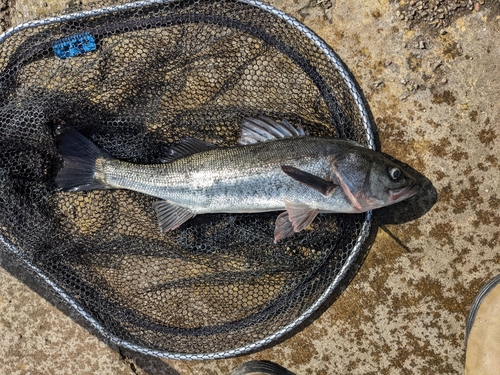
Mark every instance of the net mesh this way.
pixel 135 79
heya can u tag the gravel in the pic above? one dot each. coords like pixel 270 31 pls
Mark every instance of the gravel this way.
pixel 438 14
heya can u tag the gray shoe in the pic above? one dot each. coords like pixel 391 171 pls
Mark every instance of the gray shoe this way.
pixel 482 331
pixel 260 368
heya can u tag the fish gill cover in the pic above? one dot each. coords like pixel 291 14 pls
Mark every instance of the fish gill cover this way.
pixel 136 78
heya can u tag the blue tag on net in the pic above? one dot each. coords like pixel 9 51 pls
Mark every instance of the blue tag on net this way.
pixel 74 45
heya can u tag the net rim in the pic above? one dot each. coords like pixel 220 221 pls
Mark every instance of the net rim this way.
pixel 364 232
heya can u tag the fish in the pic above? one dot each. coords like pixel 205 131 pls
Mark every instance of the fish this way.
pixel 274 167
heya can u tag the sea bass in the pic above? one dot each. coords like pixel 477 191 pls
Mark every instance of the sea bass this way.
pixel 275 167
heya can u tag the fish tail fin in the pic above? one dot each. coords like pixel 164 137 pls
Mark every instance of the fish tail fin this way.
pixel 80 166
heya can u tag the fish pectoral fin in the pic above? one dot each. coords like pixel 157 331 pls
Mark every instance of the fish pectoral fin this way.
pixel 186 147
pixel 170 216
pixel 262 129
pixel 297 217
pixel 317 183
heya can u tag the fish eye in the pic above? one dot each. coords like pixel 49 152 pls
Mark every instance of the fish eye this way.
pixel 394 173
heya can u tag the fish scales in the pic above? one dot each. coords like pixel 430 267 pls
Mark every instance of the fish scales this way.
pixel 236 179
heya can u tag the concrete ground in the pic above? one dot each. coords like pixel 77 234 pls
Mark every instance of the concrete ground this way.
pixel 433 88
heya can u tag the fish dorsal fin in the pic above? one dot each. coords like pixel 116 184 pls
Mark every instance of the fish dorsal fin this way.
pixel 323 186
pixel 171 216
pixel 186 147
pixel 262 129
pixel 297 217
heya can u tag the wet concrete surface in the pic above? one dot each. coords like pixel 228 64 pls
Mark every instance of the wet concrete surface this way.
pixel 433 91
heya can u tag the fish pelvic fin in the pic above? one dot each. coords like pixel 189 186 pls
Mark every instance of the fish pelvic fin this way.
pixel 297 217
pixel 263 129
pixel 171 216
pixel 315 182
pixel 82 160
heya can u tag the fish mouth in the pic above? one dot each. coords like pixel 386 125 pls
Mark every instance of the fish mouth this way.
pixel 403 193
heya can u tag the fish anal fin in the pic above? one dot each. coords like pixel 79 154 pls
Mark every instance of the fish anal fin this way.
pixel 315 182
pixel 171 216
pixel 186 147
pixel 296 218
pixel 263 129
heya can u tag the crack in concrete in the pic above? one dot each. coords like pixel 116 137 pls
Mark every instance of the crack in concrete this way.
pixel 128 361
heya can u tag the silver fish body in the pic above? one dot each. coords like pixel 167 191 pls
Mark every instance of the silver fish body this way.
pixel 236 179
pixel 277 168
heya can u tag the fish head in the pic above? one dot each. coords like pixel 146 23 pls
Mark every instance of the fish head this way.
pixel 369 180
